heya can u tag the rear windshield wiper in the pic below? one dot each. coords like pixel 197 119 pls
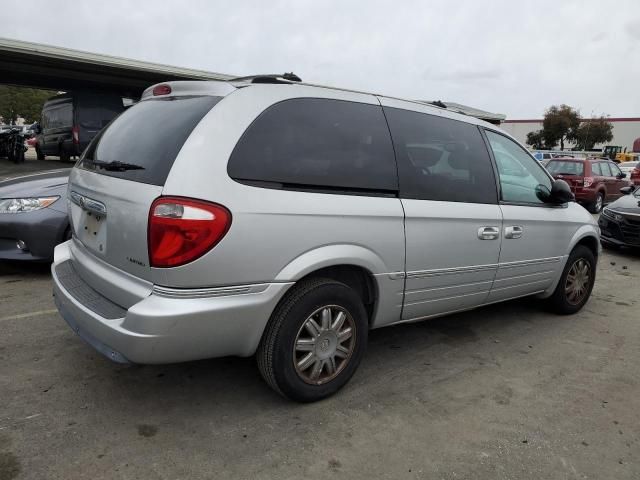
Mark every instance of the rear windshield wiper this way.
pixel 115 166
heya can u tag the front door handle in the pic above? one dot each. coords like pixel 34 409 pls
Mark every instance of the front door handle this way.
pixel 488 233
pixel 514 231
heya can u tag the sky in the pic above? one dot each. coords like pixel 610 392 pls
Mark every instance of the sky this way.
pixel 512 57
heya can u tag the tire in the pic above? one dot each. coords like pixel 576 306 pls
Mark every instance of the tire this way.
pixel 597 204
pixel 277 355
pixel 609 246
pixel 20 154
pixel 64 156
pixel 39 154
pixel 563 301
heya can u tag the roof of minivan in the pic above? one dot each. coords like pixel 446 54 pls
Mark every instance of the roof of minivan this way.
pixel 69 96
pixel 223 88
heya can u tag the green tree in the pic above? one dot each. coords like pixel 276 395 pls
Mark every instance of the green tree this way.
pixel 536 139
pixel 22 102
pixel 560 124
pixel 592 131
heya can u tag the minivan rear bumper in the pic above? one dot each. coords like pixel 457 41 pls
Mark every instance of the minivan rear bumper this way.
pixel 170 325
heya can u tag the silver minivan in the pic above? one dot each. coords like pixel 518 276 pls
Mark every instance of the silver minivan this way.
pixel 284 220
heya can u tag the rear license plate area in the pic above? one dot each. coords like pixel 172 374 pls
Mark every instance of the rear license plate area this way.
pixel 91 230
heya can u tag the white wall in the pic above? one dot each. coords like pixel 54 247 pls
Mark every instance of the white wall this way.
pixel 625 131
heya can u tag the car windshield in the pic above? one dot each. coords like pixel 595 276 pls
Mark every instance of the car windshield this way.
pixel 557 167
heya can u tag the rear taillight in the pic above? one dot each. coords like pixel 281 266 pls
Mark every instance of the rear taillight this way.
pixel 635 173
pixel 588 181
pixel 75 132
pixel 182 229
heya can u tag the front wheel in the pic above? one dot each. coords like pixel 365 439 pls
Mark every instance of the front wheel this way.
pixel 314 341
pixel 576 282
pixel 597 204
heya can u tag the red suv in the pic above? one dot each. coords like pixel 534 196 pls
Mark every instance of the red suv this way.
pixel 593 181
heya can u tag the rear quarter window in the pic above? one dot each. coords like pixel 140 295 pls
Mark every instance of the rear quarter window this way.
pixel 148 135
pixel 318 144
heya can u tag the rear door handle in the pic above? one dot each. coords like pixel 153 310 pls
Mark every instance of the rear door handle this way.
pixel 488 233
pixel 514 231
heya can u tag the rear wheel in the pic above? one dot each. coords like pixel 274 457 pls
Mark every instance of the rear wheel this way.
pixel 576 282
pixel 314 341
pixel 597 204
pixel 64 156
pixel 39 154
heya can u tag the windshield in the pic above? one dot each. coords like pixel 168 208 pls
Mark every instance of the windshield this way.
pixel 143 142
pixel 556 167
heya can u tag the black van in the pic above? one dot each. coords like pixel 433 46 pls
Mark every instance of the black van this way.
pixel 71 120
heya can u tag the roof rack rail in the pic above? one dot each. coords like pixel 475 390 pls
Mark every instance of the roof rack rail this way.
pixel 438 103
pixel 269 78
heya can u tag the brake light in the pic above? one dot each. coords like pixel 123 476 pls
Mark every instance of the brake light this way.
pixel 161 90
pixel 75 133
pixel 588 181
pixel 635 173
pixel 181 230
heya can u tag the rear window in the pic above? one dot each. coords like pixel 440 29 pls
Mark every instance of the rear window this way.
pixel 318 144
pixel 58 116
pixel 556 167
pixel 97 115
pixel 143 142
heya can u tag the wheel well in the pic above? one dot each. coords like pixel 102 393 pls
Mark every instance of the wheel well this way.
pixel 358 278
pixel 591 243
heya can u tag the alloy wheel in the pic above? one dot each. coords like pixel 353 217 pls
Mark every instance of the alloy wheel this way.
pixel 324 344
pixel 578 280
pixel 599 202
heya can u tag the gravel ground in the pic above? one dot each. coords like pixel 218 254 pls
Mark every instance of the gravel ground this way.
pixel 507 391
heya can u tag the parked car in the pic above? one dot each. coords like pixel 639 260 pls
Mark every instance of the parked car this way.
pixel 70 121
pixel 632 169
pixel 286 220
pixel 33 215
pixel 594 182
pixel 620 221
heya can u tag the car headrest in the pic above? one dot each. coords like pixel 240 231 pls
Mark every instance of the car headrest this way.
pixel 424 156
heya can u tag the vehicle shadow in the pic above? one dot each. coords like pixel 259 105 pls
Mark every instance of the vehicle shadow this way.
pixel 32 269
pixel 394 355
pixel 623 251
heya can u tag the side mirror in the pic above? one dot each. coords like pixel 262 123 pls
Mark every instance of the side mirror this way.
pixel 621 175
pixel 627 190
pixel 559 194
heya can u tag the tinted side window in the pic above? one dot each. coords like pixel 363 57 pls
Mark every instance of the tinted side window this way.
pixel 596 169
pixel 606 171
pixel 318 143
pixel 440 158
pixel 519 172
